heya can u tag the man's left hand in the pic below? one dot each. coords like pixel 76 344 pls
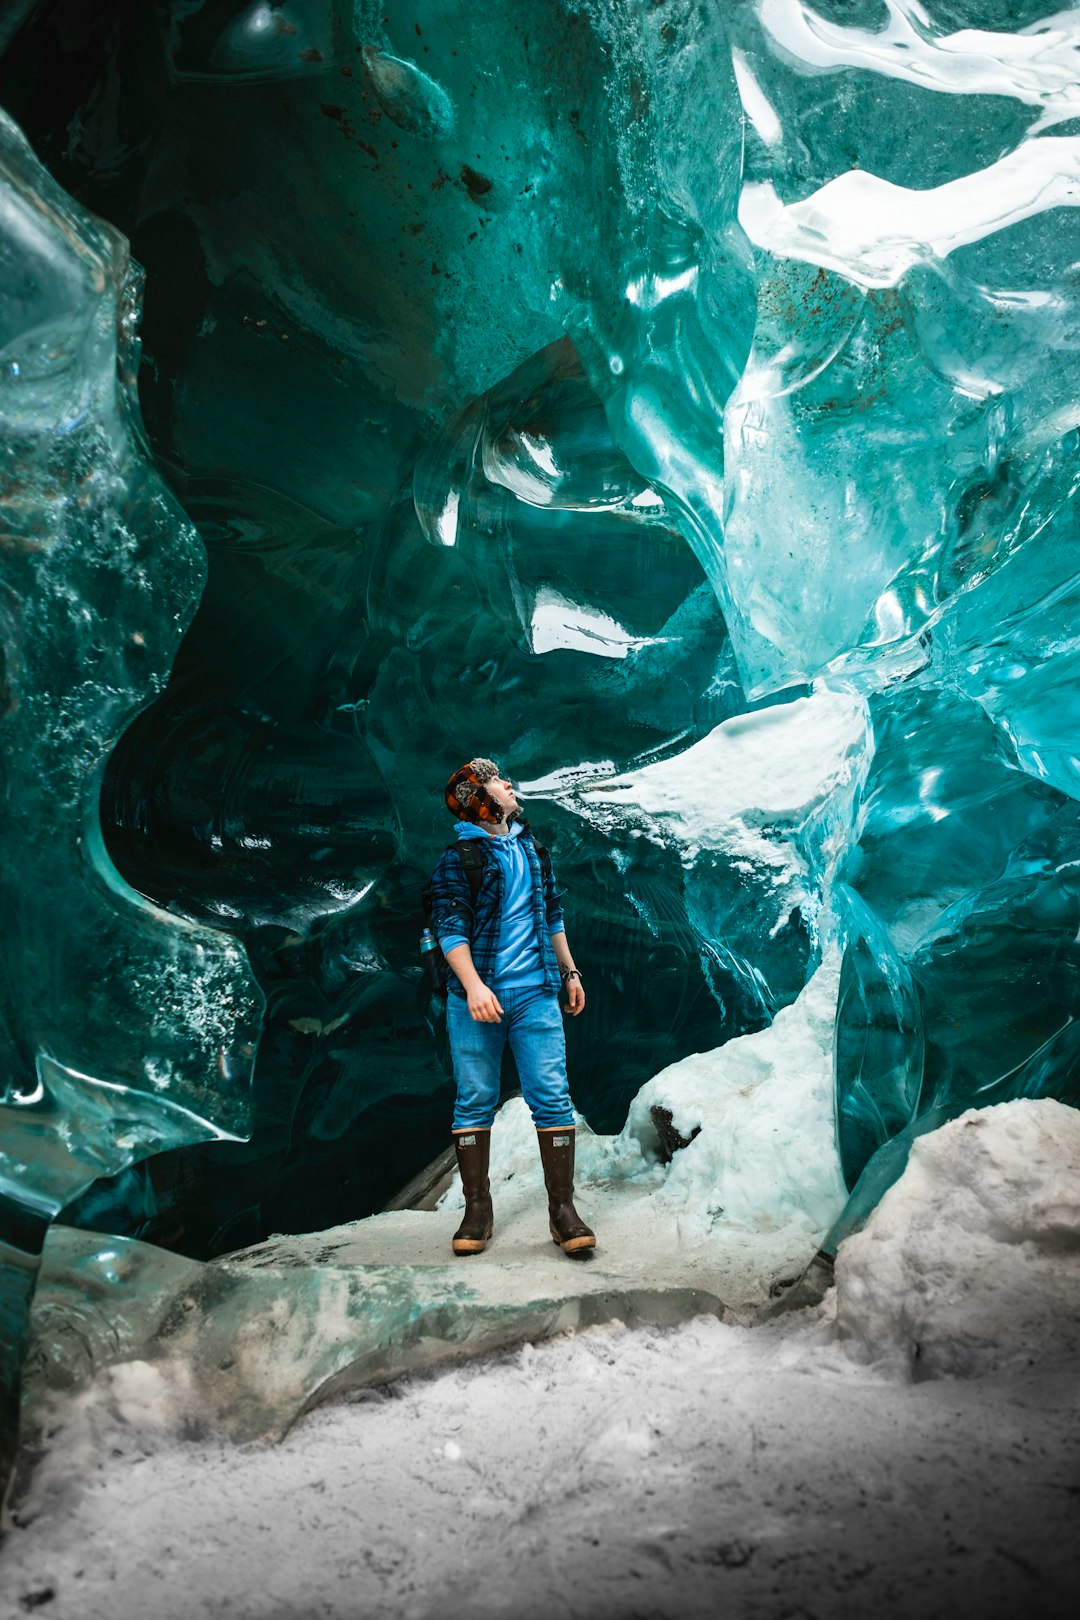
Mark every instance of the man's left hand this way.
pixel 575 997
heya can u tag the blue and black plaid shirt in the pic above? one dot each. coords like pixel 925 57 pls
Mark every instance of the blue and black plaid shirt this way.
pixel 452 912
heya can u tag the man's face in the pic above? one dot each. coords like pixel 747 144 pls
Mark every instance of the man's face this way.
pixel 503 793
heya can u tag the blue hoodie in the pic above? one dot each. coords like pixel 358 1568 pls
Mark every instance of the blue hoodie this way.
pixel 518 960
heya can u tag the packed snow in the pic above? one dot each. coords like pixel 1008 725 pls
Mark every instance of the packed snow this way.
pixel 971 1262
pixel 766 1155
pixel 760 1472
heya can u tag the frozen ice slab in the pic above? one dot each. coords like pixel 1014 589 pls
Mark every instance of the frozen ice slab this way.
pixel 247 1345
pixel 124 1030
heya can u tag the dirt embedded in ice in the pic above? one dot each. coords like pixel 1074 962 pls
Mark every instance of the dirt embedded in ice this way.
pixel 766 1155
pixel 750 1196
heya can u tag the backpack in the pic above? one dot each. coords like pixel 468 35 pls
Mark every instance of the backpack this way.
pixel 473 859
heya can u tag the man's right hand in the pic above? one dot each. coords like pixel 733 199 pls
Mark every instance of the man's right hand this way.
pixel 484 1005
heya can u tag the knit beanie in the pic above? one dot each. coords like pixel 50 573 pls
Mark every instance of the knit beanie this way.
pixel 467 796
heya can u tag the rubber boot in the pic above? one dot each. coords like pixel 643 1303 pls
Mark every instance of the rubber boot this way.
pixel 477 1224
pixel 568 1229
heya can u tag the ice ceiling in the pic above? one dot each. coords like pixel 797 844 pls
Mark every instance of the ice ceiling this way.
pixel 561 382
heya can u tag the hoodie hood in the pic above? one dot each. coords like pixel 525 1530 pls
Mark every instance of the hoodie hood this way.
pixel 469 829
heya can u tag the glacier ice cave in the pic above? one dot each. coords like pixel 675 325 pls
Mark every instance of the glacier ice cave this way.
pixel 662 398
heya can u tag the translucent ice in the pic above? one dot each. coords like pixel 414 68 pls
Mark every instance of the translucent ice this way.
pixel 900 456
pixel 123 1030
pixel 415 406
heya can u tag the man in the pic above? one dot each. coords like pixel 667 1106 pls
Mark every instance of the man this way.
pixel 508 955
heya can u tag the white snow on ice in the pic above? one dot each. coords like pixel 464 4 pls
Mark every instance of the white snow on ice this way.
pixel 1035 64
pixel 874 232
pixel 748 1200
pixel 748 788
pixel 766 1157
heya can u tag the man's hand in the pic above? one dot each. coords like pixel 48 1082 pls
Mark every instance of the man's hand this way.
pixel 484 1005
pixel 575 997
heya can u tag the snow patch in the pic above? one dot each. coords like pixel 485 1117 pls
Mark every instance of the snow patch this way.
pixel 972 1260
pixel 766 1155
pixel 773 789
pixel 1036 65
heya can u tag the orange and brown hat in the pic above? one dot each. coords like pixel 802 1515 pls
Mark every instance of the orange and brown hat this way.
pixel 466 793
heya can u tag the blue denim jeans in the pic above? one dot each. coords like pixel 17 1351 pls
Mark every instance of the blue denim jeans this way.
pixel 533 1024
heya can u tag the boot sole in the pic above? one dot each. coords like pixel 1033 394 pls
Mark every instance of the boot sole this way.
pixel 574 1245
pixel 470 1245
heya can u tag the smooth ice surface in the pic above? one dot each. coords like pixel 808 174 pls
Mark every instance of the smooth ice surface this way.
pixel 1036 63
pixel 900 514
pixel 123 1030
pixel 913 344
pixel 873 232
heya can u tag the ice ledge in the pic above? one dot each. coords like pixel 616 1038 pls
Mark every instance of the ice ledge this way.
pixel 247 1345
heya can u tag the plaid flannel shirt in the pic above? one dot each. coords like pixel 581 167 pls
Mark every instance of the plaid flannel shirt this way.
pixel 452 912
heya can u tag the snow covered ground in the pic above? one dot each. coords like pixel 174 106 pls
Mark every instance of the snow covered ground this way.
pixel 695 1471
pixel 827 1463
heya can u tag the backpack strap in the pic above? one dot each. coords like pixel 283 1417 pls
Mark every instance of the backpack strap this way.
pixel 474 861
pixel 544 857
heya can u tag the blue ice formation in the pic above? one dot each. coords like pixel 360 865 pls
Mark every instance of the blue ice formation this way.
pixel 574 388
pixel 123 1030
pixel 901 472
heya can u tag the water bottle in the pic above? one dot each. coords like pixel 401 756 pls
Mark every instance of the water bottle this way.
pixel 429 955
